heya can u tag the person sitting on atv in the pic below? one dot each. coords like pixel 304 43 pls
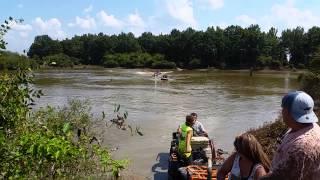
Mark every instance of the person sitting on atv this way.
pixel 198 128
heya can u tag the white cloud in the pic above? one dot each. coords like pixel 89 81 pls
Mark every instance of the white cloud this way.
pixel 46 25
pixel 136 24
pixel 52 27
pixel 22 29
pixel 216 4
pixel 88 9
pixel 223 25
pixel 246 20
pixel 268 22
pixel 84 23
pixel 18 41
pixel 109 20
pixel 181 10
pixel 135 20
pixel 24 34
pixel 292 17
pixel 282 16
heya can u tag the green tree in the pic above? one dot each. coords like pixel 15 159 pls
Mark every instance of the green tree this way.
pixel 126 43
pixel 147 42
pixel 251 43
pixel 73 47
pixel 294 40
pixel 44 46
pixel 315 62
pixel 234 53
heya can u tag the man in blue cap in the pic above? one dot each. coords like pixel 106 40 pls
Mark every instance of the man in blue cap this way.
pixel 298 155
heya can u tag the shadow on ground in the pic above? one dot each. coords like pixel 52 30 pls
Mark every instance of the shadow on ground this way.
pixel 160 169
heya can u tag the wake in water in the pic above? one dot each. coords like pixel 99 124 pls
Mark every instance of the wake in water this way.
pixel 145 73
pixel 152 73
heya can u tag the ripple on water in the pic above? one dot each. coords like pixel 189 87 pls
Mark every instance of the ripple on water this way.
pixel 227 103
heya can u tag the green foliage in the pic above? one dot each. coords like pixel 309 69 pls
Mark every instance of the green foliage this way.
pixel 264 61
pixel 44 46
pixel 16 98
pixel 301 66
pixel 14 61
pixel 195 63
pixel 275 64
pixel 163 65
pixel 110 62
pixel 310 83
pixel 60 60
pixel 234 47
pixel 8 60
pixel 51 142
pixel 137 60
pixel 268 134
pixel 315 63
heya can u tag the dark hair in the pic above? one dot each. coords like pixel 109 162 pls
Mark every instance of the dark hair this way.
pixel 247 145
pixel 189 120
pixel 194 114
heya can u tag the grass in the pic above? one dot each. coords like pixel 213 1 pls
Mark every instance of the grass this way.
pixel 268 134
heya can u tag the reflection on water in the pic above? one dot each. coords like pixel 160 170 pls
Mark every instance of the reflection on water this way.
pixel 227 103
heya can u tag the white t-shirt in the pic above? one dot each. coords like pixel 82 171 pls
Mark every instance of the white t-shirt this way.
pixel 198 128
pixel 235 171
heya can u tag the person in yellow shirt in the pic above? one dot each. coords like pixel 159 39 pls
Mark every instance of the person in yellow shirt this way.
pixel 186 132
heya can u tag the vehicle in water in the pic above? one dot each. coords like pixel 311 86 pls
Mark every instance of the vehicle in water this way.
pixel 164 77
pixel 160 76
pixel 202 166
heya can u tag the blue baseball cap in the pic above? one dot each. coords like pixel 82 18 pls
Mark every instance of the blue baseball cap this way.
pixel 300 106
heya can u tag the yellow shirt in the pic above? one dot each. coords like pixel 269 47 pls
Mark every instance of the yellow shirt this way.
pixel 183 143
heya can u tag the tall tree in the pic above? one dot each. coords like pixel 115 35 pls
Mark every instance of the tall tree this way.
pixel 147 42
pixel 294 41
pixel 44 46
pixel 126 43
pixel 252 42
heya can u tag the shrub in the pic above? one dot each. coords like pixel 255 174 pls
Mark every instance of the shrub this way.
pixel 310 83
pixel 263 61
pixel 301 66
pixel 275 64
pixel 136 60
pixel 195 63
pixel 163 65
pixel 49 143
pixel 110 63
pixel 60 60
pixel 267 135
pixel 14 61
pixel 315 63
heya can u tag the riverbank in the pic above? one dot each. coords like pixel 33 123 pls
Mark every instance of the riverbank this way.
pixel 268 134
pixel 211 69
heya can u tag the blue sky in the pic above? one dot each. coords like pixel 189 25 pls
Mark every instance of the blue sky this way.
pixel 64 19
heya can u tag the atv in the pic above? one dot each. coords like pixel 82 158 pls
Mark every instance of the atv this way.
pixel 205 161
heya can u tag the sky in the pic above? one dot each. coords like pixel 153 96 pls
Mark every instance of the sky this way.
pixel 61 19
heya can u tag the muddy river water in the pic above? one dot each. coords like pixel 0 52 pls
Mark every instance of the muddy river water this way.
pixel 227 103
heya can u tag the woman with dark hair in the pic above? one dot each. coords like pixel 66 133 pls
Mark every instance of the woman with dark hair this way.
pixel 249 162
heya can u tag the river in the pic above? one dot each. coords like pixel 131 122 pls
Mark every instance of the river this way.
pixel 227 103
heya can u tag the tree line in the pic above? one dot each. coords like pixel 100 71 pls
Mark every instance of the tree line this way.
pixel 234 47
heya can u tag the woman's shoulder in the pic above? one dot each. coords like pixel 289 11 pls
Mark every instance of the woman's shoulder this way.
pixel 258 170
